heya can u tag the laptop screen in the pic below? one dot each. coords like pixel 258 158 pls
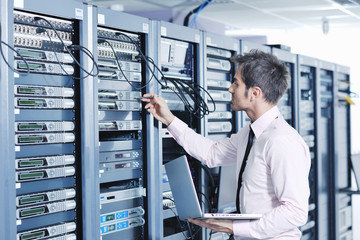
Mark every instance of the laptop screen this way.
pixel 183 189
pixel 227 189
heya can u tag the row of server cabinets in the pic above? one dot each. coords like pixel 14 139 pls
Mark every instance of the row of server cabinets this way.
pixel 87 160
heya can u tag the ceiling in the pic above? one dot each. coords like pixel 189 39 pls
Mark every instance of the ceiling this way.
pixel 255 14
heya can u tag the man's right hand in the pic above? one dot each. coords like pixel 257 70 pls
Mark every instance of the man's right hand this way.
pixel 158 107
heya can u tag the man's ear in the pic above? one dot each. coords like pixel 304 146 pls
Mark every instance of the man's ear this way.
pixel 256 93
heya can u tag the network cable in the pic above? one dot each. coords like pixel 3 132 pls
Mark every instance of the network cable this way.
pixel 181 88
pixel 74 48
pixel 193 20
pixel 201 109
pixel 203 5
pixel 102 40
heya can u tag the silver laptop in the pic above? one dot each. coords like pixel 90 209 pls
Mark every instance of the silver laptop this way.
pixel 184 193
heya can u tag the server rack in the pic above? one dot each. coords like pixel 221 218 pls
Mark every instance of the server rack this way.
pixel 342 210
pixel 325 144
pixel 179 60
pixel 287 104
pixel 7 132
pixel 50 127
pixel 218 75
pixel 307 127
pixel 245 47
pixel 122 43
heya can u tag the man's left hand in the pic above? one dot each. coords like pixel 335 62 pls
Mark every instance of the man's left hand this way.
pixel 216 225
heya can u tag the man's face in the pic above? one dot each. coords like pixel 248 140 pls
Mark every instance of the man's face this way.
pixel 240 98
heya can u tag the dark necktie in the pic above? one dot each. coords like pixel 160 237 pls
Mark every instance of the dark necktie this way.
pixel 247 151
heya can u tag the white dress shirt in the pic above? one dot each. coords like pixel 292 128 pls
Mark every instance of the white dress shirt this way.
pixel 275 180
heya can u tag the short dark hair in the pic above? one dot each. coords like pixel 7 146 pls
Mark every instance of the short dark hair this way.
pixel 265 71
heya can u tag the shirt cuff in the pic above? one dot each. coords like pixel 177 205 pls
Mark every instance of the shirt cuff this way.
pixel 176 128
pixel 241 229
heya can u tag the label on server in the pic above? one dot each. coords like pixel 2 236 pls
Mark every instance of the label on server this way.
pixel 45 209
pixel 40 67
pixel 41 174
pixel 120 155
pixel 120 106
pixel 44 197
pixel 122 214
pixel 44 55
pixel 50 231
pixel 120 125
pixel 44 126
pixel 44 161
pixel 122 225
pixel 119 95
pixel 44 103
pixel 220 95
pixel 44 138
pixel 32 90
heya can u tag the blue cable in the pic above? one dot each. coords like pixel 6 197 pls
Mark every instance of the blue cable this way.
pixel 203 5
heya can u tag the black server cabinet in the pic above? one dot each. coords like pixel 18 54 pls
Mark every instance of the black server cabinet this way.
pixel 121 50
pixel 325 147
pixel 47 122
pixel 179 61
pixel 306 85
pixel 342 146
pixel 221 122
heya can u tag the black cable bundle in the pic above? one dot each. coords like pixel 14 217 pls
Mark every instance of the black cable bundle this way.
pixel 180 87
pixel 68 48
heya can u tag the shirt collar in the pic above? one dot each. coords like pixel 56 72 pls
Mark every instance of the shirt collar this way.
pixel 264 121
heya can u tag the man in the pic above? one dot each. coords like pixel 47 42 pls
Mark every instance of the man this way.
pixel 275 177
